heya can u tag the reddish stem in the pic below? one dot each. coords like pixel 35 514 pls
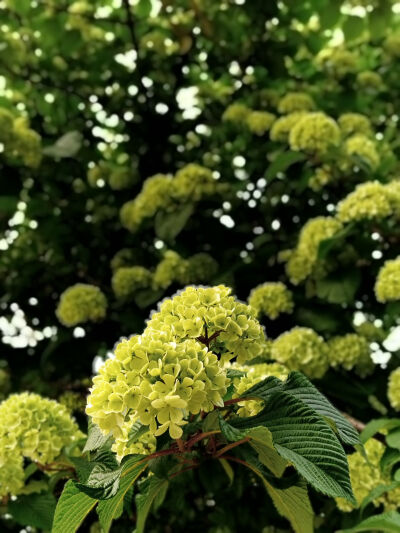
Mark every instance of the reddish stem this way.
pixel 230 446
pixel 200 436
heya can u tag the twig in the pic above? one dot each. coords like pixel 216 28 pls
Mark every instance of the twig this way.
pixel 230 446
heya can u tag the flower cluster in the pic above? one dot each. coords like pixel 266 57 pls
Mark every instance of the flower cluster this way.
pixel 362 147
pixel 171 268
pixel 19 139
pixel 387 285
pixel 368 201
pixel 394 389
pixel 271 299
pixel 314 133
pixel 366 475
pixel 295 102
pixel 255 374
pixel 259 122
pixel 322 176
pixel 177 367
pixel 304 257
pixel 351 351
pixel 117 177
pixel 282 126
pixel 351 123
pixel 370 80
pixel 192 183
pixel 126 281
pixel 236 113
pixel 302 349
pixel 371 332
pixel 73 401
pixel 338 62
pixel 81 303
pixel 31 427
pixel 392 45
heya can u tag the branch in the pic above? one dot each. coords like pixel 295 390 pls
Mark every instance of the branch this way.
pixel 131 25
pixel 360 426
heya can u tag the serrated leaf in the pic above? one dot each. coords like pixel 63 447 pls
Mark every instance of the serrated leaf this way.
pixel 282 162
pixel 108 510
pixel 96 439
pixel 36 510
pixel 231 433
pixel 136 431
pixel 261 442
pixel 301 388
pixel 168 225
pixel 304 438
pixel 145 500
pixel 294 504
pixel 66 146
pixel 234 373
pixel 389 522
pixel 72 508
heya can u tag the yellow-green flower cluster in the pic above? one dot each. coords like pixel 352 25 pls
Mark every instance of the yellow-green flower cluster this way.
pixel 238 332
pixel 171 268
pixel 392 190
pixel 394 389
pixel 126 281
pixel 31 427
pixel 305 256
pixel 81 303
pixel 255 374
pixel 387 285
pixel 302 349
pixel 117 177
pixel 123 258
pixel 350 352
pixel 392 45
pixel 282 126
pixel 371 332
pixel 172 370
pixel 338 62
pixel 368 201
pixel 361 146
pixel 259 122
pixel 295 102
pixel 190 184
pixel 19 139
pixel 322 176
pixel 271 299
pixel 351 123
pixel 370 80
pixel 143 445
pixel 73 401
pixel 236 113
pixel 200 268
pixel 366 475
pixel 314 133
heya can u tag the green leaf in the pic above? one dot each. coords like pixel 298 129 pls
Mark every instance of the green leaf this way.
pixel 322 320
pixel 393 439
pixel 168 225
pixel 229 432
pixel 304 438
pixel 353 27
pixel 147 297
pixel 102 479
pixel 227 469
pixel 282 162
pixel 143 8
pixel 390 457
pixel 339 288
pixel 261 442
pixel 108 510
pixel 389 522
pixel 211 421
pixel 376 425
pixel 329 15
pixel 35 510
pixel 66 146
pixel 294 504
pixel 72 507
pixel 136 431
pixel 145 500
pixel 96 439
pixel 332 243
pixel 234 373
pixel 298 386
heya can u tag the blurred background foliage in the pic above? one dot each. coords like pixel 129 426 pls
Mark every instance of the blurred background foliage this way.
pixel 98 97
